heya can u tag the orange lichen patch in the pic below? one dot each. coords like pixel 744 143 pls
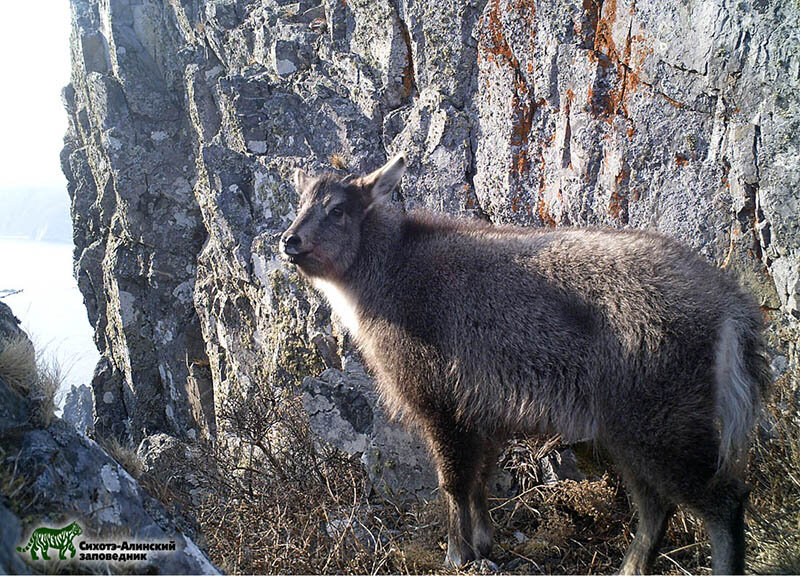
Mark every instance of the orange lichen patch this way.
pixel 544 214
pixel 640 51
pixel 625 61
pixel 515 204
pixel 603 38
pixel 469 201
pixel 674 102
pixel 618 204
pixel 496 49
pixel 520 134
pixel 408 69
pixel 681 160
pixel 587 27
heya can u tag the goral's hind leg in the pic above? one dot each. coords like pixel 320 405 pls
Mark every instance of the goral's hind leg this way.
pixel 722 508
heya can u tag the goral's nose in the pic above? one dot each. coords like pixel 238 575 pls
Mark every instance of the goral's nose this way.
pixel 292 244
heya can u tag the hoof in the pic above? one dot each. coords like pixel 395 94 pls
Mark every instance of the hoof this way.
pixel 457 558
pixel 485 566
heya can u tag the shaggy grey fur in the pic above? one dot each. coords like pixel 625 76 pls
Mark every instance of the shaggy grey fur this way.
pixel 476 333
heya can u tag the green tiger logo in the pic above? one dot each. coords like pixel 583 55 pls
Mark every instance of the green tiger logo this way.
pixel 43 539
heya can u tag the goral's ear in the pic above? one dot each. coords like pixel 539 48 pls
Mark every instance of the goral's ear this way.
pixel 300 179
pixel 380 183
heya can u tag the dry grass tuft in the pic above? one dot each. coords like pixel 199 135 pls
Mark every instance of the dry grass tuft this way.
pixel 18 364
pixel 43 393
pixel 337 161
pixel 774 525
pixel 281 502
pixel 32 376
pixel 124 455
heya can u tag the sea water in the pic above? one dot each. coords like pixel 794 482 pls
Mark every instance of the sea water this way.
pixel 49 305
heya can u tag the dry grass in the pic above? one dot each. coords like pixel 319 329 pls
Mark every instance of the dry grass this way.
pixel 338 161
pixel 32 376
pixel 280 501
pixel 775 477
pixel 45 387
pixel 18 364
pixel 15 490
pixel 125 456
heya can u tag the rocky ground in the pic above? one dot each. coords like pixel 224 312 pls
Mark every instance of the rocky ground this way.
pixel 50 475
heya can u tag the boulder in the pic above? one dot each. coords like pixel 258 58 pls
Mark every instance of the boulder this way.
pixel 56 475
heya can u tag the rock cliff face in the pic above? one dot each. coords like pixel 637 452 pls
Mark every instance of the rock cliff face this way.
pixel 187 118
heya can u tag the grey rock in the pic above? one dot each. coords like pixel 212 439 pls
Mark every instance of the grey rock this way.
pixel 169 461
pixel 72 476
pixel 344 409
pixel 79 409
pixel 291 53
pixel 15 411
pixel 67 475
pixel 560 465
pixel 9 325
pixel 10 560
pixel 164 455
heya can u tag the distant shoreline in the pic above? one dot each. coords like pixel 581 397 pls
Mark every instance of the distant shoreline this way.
pixel 23 237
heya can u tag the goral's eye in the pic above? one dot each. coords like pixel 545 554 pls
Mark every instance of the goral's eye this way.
pixel 337 211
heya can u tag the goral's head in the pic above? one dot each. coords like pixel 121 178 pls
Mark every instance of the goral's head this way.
pixel 325 237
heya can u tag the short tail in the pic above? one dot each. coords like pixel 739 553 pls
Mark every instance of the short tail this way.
pixel 743 379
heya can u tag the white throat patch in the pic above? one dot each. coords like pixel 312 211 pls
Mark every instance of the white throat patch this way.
pixel 340 303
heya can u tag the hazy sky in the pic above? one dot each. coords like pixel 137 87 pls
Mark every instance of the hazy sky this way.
pixel 34 66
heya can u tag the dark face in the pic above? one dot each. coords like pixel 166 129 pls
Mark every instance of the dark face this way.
pixel 323 240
